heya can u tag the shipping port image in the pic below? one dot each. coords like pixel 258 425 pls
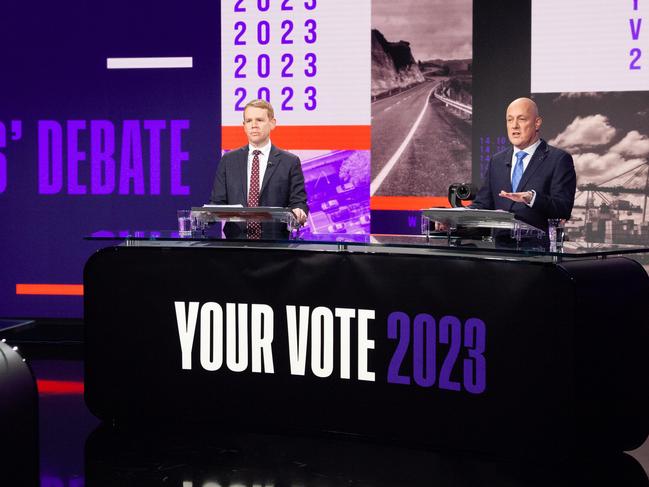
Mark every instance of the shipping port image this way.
pixel 613 211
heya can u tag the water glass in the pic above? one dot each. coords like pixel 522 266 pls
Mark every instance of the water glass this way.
pixel 556 231
pixel 184 223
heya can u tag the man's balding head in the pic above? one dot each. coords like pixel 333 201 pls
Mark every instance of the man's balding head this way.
pixel 523 122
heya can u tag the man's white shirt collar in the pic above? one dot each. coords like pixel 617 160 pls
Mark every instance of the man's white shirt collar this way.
pixel 529 149
pixel 265 149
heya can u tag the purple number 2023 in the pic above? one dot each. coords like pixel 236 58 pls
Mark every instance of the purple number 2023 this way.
pixel 468 340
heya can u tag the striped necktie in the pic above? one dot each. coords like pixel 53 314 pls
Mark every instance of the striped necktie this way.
pixel 254 228
pixel 518 170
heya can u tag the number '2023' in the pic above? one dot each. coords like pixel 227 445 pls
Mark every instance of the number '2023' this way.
pixel 426 335
pixel 287 94
pixel 264 32
pixel 264 5
pixel 286 63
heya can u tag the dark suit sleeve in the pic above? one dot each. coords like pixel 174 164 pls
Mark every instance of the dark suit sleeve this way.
pixel 219 194
pixel 484 199
pixel 558 203
pixel 297 192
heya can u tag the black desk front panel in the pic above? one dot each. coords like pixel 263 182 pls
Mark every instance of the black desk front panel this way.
pixel 464 353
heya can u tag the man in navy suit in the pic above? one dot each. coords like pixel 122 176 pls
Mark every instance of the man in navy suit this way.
pixel 260 174
pixel 532 179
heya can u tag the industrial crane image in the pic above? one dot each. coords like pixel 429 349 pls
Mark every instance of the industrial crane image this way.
pixel 609 218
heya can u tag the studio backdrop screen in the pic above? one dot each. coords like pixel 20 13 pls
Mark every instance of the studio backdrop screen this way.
pixel 589 69
pixel 115 114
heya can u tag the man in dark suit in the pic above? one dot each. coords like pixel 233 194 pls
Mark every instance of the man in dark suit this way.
pixel 532 179
pixel 260 174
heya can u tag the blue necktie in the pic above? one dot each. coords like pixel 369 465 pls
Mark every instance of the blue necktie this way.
pixel 518 170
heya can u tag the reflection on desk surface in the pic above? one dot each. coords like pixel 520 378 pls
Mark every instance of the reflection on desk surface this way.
pixel 436 242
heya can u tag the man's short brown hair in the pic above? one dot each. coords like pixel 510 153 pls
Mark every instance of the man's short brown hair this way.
pixel 261 104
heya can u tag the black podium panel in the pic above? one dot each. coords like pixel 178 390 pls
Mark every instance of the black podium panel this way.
pixel 463 353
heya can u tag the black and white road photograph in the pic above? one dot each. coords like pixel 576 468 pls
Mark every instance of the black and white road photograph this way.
pixel 421 96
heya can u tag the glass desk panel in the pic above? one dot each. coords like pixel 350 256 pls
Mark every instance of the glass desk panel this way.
pixel 420 244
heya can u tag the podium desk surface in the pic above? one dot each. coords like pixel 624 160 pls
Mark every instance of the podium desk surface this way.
pixel 528 249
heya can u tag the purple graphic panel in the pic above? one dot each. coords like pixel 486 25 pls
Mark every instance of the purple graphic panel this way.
pixel 85 148
pixel 338 186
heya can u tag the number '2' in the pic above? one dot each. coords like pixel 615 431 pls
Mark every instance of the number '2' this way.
pixel 634 62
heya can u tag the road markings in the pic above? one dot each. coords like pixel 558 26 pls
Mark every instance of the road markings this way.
pixel 148 62
pixel 378 180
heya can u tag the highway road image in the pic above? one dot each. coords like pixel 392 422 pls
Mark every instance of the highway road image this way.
pixel 419 145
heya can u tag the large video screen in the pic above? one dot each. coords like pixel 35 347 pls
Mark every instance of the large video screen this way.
pixel 109 123
pixel 422 101
pixel 311 60
pixel 585 46
pixel 589 70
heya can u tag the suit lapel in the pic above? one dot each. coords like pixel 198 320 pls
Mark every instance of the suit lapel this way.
pixel 506 171
pixel 242 172
pixel 274 159
pixel 505 177
pixel 539 154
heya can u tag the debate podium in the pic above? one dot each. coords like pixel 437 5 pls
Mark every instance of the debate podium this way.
pixel 472 218
pixel 270 216
pixel 500 351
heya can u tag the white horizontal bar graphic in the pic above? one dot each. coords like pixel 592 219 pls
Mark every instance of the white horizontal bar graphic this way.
pixel 148 62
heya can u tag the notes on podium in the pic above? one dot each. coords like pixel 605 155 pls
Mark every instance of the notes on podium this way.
pixel 452 218
pixel 239 213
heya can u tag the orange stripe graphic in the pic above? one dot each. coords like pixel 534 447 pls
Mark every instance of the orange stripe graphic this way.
pixel 407 202
pixel 305 137
pixel 59 387
pixel 50 289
